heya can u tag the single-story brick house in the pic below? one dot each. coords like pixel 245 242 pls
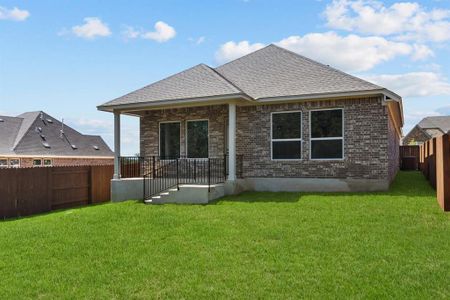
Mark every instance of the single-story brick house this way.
pixel 284 121
pixel 35 139
pixel 427 128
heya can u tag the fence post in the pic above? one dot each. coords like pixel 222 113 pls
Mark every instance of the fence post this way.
pixel 224 167
pixel 209 176
pixel 153 167
pixel 443 171
pixel 178 186
pixel 195 170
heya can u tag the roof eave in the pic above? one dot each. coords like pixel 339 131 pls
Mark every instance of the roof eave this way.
pixel 321 96
pixel 171 102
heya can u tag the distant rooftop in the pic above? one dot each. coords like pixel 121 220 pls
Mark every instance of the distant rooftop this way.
pixel 441 123
pixel 37 133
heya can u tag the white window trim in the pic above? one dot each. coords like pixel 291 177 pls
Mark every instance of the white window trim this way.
pixel 4 166
pixel 36 166
pixel 43 162
pixel 311 139
pixel 159 137
pixel 186 139
pixel 15 166
pixel 286 140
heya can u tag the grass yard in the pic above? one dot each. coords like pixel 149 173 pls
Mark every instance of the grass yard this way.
pixel 255 245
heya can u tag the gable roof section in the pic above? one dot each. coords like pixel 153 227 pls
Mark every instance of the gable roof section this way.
pixel 200 81
pixel 9 129
pixel 24 138
pixel 439 122
pixel 269 74
pixel 276 72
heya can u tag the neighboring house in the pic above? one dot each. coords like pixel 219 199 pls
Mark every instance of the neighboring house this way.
pixel 426 129
pixel 35 139
pixel 294 124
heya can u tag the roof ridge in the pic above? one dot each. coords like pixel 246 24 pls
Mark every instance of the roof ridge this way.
pixel 202 65
pixel 20 133
pixel 239 58
pixel 221 77
pixel 217 73
pixel 323 65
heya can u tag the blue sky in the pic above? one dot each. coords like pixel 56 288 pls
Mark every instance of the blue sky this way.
pixel 67 57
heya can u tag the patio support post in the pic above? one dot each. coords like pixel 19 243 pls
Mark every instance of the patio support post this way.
pixel 116 145
pixel 231 142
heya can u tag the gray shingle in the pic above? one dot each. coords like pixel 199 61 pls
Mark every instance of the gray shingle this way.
pixel 24 139
pixel 275 72
pixel 196 82
pixel 269 72
pixel 439 122
pixel 9 129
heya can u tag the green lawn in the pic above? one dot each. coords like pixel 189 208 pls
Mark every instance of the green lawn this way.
pixel 255 245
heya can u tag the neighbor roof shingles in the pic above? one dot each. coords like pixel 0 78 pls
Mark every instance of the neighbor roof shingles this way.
pixel 9 129
pixel 439 122
pixel 269 72
pixel 25 140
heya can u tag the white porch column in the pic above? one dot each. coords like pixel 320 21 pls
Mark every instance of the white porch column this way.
pixel 231 142
pixel 116 145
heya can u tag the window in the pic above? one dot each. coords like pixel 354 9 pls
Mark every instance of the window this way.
pixel 14 162
pixel 37 162
pixel 287 135
pixel 169 140
pixel 197 139
pixel 327 140
pixel 3 163
pixel 47 162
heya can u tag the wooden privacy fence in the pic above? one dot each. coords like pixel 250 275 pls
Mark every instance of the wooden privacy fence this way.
pixel 434 163
pixel 30 191
pixel 409 158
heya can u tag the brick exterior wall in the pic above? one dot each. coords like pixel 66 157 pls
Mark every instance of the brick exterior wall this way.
pixel 394 150
pixel 26 162
pixel 365 141
pixel 366 138
pixel 416 135
pixel 217 122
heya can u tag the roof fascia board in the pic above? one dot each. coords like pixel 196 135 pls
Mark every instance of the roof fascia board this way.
pixel 52 156
pixel 171 103
pixel 321 96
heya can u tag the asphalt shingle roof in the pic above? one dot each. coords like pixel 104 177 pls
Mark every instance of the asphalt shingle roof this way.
pixel 196 82
pixel 440 122
pixel 269 72
pixel 277 72
pixel 21 136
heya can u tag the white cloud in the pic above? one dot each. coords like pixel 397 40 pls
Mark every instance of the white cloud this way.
pixel 163 32
pixel 198 40
pixel 415 84
pixel 404 20
pixel 349 53
pixel 444 110
pixel 130 33
pixel 421 52
pixel 232 50
pixel 93 27
pixel 14 14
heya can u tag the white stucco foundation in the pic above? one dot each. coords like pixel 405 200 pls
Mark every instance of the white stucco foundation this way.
pixel 133 188
pixel 316 185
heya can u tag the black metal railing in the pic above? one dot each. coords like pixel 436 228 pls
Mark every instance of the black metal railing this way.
pixel 138 166
pixel 161 174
